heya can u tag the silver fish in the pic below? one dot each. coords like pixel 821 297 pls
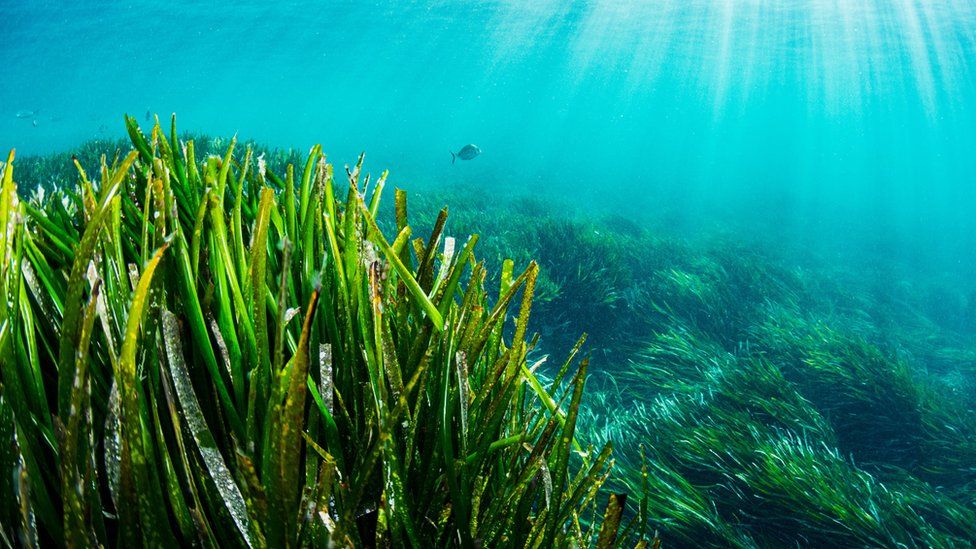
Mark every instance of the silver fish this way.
pixel 26 114
pixel 467 152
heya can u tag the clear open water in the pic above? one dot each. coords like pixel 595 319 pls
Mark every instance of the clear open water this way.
pixel 840 123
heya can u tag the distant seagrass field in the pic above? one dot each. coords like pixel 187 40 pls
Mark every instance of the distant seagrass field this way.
pixel 487 274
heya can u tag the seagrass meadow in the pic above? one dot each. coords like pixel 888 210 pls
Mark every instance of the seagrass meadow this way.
pixel 223 348
pixel 215 343
pixel 610 273
pixel 760 395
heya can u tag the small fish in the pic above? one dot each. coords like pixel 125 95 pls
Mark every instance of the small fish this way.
pixel 467 152
pixel 26 114
pixel 35 122
pixel 148 116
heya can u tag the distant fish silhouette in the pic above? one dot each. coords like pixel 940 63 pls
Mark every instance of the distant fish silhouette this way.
pixel 467 152
pixel 148 116
pixel 26 114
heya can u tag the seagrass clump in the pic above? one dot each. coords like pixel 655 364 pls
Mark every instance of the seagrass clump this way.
pixel 199 350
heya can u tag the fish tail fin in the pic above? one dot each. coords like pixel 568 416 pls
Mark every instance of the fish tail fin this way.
pixel 453 157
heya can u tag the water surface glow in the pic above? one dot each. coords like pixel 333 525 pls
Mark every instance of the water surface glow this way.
pixel 816 114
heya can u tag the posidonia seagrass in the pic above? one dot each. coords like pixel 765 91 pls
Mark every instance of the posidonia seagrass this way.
pixel 202 351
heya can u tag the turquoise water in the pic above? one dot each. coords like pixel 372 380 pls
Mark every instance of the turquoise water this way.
pixel 792 340
pixel 820 120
